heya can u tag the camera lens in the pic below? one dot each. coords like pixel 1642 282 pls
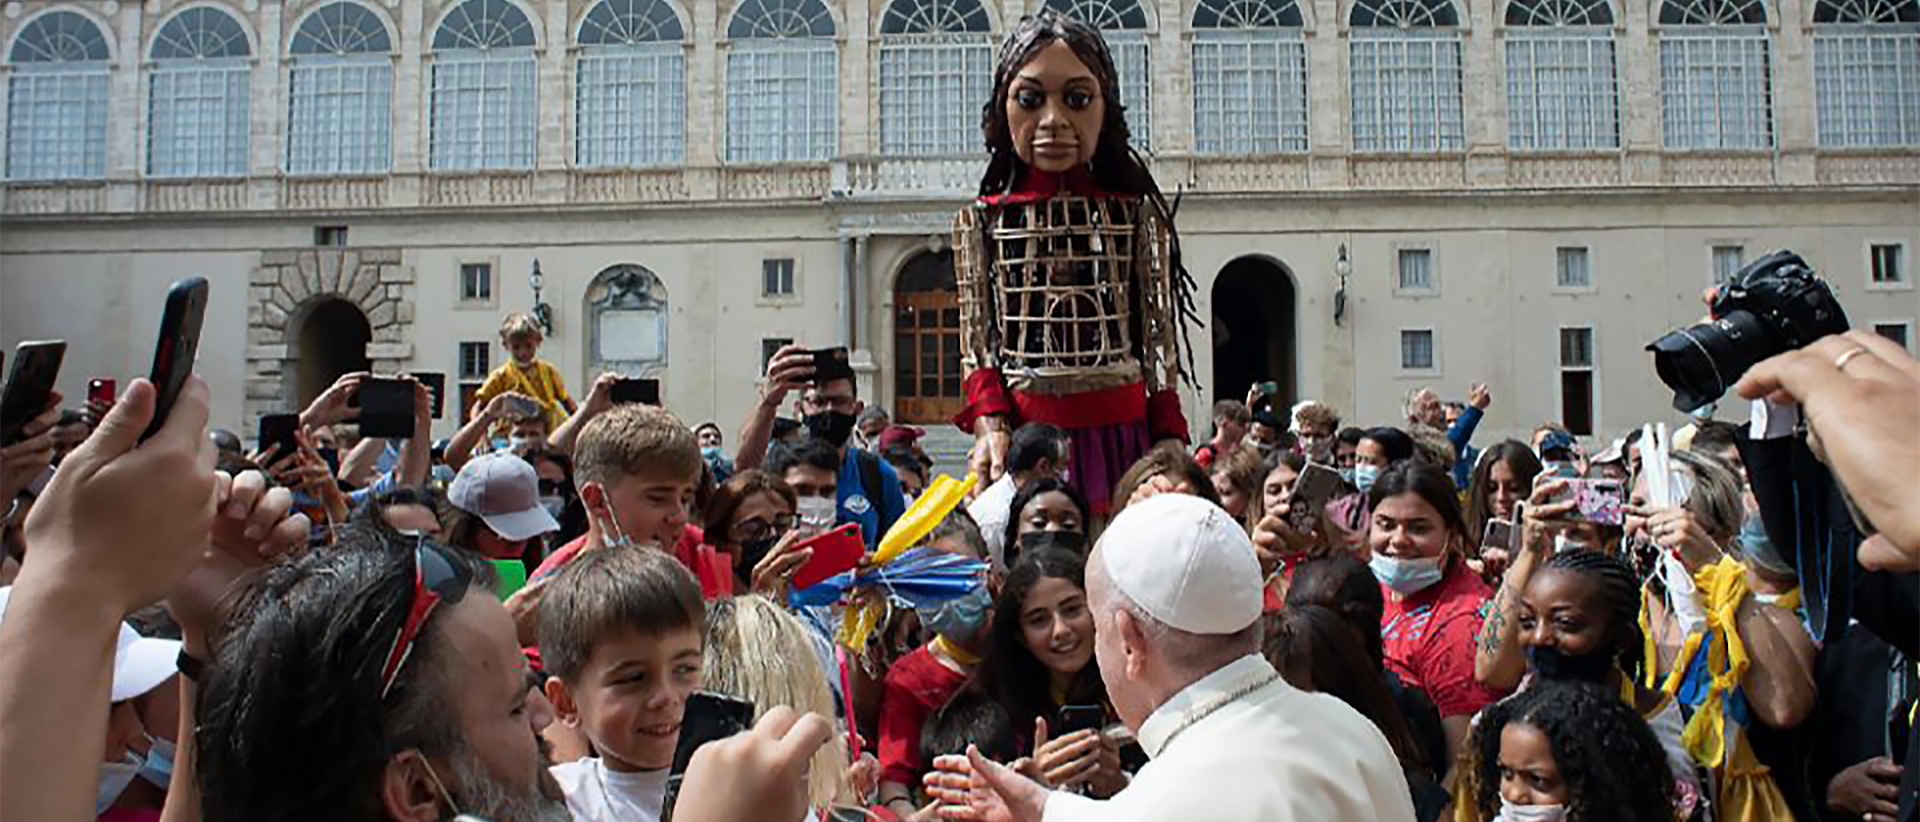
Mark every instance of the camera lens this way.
pixel 1701 362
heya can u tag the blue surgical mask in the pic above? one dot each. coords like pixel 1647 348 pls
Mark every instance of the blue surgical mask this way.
pixel 1364 476
pixel 1406 576
pixel 1757 548
pixel 1350 475
pixel 114 779
pixel 959 618
pixel 710 453
pixel 158 768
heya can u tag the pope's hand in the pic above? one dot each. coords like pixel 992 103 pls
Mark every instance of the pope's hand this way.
pixel 973 788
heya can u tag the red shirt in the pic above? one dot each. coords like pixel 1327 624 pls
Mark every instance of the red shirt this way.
pixel 916 686
pixel 1429 639
pixel 712 568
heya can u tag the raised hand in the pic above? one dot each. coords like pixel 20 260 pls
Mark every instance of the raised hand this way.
pixel 27 458
pixel 789 369
pixel 334 404
pixel 973 788
pixel 757 774
pixel 774 572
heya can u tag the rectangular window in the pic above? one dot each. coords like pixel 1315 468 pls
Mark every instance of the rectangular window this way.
pixel 474 360
pixel 1571 268
pixel 1866 83
pixel 1715 89
pixel 1889 263
pixel 631 106
pixel 1130 58
pixel 930 92
pixel 782 101
pixel 56 123
pixel 1897 332
pixel 769 346
pixel 1576 380
pixel 338 116
pixel 1561 93
pixel 197 121
pixel 1416 269
pixel 1727 261
pixel 1416 349
pixel 330 236
pixel 776 277
pixel 1249 91
pixel 483 113
pixel 1406 90
pixel 476 282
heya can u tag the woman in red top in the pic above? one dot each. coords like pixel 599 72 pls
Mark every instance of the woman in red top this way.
pixel 1435 603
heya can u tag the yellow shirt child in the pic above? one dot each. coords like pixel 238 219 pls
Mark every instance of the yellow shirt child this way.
pixel 523 373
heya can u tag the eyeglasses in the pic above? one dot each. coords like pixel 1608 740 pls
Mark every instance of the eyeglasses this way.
pixel 551 487
pixel 435 579
pixel 756 529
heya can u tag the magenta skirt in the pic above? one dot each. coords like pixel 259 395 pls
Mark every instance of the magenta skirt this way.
pixel 1101 455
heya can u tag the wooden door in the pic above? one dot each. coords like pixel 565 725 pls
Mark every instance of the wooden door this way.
pixel 926 337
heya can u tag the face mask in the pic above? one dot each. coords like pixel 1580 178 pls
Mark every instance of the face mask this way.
pixel 1405 576
pixel 710 453
pixel 610 531
pixel 752 551
pixel 1554 664
pixel 1350 476
pixel 815 513
pixel 1510 812
pixel 1757 548
pixel 517 442
pixel 1073 541
pixel 114 779
pixel 959 618
pixel 554 503
pixel 833 427
pixel 1363 477
pixel 158 768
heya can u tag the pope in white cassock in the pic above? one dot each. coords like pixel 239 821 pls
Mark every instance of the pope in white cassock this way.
pixel 1175 591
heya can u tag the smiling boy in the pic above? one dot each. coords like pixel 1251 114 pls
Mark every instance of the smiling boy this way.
pixel 621 633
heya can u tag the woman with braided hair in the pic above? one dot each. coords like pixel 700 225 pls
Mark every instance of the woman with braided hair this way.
pixel 1566 751
pixel 1073 299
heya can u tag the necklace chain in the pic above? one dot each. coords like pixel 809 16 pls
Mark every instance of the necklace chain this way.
pixel 1207 709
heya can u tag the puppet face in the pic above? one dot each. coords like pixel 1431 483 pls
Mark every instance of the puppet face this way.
pixel 1054 110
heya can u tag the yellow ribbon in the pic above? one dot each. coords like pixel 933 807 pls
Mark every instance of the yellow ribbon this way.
pixel 869 609
pixel 1722 587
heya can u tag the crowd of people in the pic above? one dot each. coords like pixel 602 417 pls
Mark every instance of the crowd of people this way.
pixel 511 624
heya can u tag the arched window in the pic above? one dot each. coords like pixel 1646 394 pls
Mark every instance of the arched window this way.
pixel 1866 72
pixel 783 82
pixel 1405 70
pixel 341 105
pixel 483 88
pixel 630 84
pixel 1561 91
pixel 197 105
pixel 936 71
pixel 1249 77
pixel 57 100
pixel 1715 85
pixel 1124 25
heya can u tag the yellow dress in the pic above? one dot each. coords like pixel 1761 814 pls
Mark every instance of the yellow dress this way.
pixel 540 381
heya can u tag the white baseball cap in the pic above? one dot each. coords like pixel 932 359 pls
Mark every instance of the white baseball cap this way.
pixel 139 664
pixel 503 490
pixel 1186 563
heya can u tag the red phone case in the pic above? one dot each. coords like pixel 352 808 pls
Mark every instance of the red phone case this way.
pixel 835 551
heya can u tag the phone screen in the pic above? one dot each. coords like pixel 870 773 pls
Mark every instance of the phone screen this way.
pixel 708 718
pixel 1081 718
pixel 36 366
pixel 277 436
pixel 386 408
pixel 1315 487
pixel 1600 501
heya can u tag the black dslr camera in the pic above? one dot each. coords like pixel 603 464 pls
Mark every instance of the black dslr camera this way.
pixel 1776 304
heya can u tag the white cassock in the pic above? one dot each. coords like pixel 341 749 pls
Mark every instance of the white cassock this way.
pixel 1242 745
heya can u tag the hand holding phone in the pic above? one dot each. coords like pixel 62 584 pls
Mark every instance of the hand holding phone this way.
pixel 278 436
pixel 1312 490
pixel 29 389
pixel 1499 534
pixel 642 390
pixel 1599 501
pixel 386 408
pixel 179 343
pixel 708 717
pixel 834 552
pixel 1076 718
pixel 831 364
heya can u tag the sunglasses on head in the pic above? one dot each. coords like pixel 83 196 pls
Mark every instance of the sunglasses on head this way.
pixel 436 579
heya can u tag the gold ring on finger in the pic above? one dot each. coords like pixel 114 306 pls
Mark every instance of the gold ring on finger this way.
pixel 1840 362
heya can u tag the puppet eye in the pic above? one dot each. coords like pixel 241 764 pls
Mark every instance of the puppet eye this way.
pixel 1029 99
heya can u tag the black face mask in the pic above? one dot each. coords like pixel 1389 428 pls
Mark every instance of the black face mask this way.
pixel 1073 541
pixel 752 551
pixel 1555 664
pixel 833 427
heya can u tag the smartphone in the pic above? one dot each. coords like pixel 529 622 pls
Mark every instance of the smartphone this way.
pixel 1075 718
pixel 834 552
pixel 1599 501
pixel 522 407
pixel 36 366
pixel 831 364
pixel 386 408
pixel 1312 490
pixel 643 390
pixel 277 436
pixel 1499 534
pixel 179 342
pixel 101 390
pixel 436 383
pixel 708 717
pixel 1268 389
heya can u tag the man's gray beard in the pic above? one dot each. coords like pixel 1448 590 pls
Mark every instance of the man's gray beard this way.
pixel 479 795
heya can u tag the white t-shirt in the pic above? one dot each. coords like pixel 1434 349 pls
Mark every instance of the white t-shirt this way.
pixel 597 794
pixel 990 510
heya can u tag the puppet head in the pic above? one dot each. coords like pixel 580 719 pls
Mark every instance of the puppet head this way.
pixel 1056 105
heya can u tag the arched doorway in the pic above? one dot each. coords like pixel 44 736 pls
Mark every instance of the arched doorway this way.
pixel 333 341
pixel 926 340
pixel 1253 330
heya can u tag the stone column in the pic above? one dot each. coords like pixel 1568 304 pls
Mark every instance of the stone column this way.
pixel 1639 55
pixel 267 107
pixel 553 98
pixel 411 106
pixel 706 99
pixel 1795 111
pixel 1170 59
pixel 1328 109
pixel 126 110
pixel 859 93
pixel 1483 97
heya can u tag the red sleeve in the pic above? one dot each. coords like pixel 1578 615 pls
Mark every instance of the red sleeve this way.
pixel 1165 421
pixel 1446 666
pixel 986 396
pixel 901 717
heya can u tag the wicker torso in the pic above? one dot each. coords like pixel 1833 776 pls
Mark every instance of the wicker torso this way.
pixel 1067 294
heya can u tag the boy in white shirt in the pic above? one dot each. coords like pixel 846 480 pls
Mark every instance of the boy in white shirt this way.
pixel 621 635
